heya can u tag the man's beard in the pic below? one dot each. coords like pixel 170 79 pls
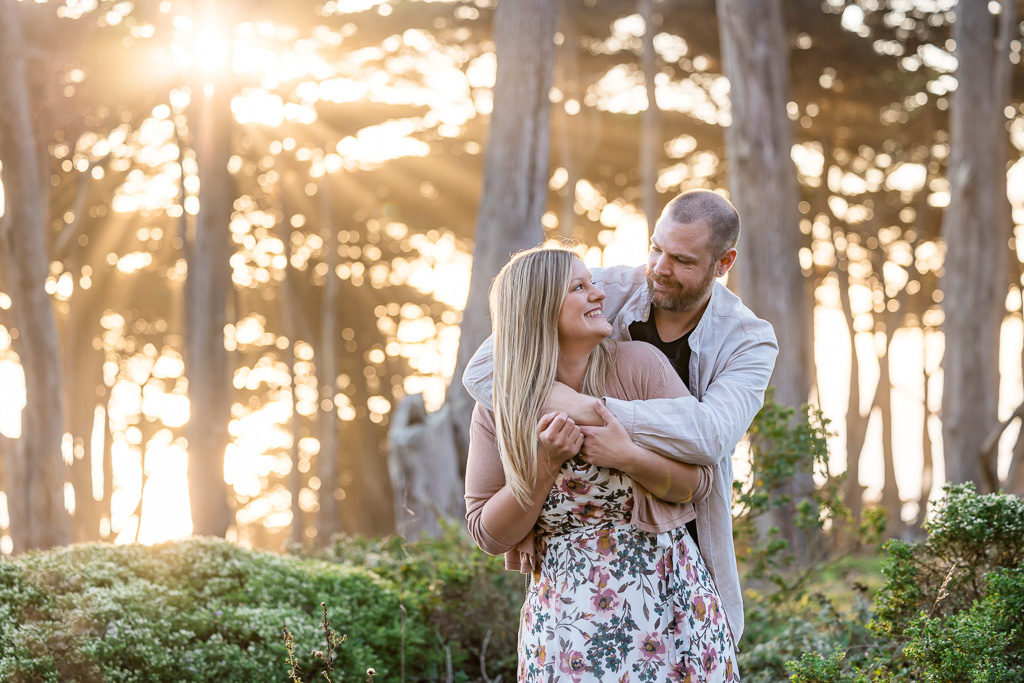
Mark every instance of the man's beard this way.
pixel 679 298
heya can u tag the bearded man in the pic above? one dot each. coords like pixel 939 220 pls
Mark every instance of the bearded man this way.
pixel 723 352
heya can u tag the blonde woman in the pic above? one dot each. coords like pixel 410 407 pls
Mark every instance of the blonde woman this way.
pixel 618 589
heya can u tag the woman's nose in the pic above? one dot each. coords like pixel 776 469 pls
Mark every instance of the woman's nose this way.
pixel 596 293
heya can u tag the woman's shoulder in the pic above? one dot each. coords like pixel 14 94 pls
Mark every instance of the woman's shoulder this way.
pixel 639 354
pixel 639 371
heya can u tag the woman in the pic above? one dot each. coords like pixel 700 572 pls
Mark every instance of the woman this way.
pixel 618 590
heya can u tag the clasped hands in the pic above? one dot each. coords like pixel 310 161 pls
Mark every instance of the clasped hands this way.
pixel 576 424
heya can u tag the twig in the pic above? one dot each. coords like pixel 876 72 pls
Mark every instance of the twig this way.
pixel 293 662
pixel 992 440
pixel 402 608
pixel 943 593
pixel 448 657
pixel 483 660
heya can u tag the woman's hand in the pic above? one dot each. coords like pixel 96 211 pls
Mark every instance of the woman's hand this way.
pixel 560 440
pixel 607 446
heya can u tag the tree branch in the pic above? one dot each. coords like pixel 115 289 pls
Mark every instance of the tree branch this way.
pixel 992 440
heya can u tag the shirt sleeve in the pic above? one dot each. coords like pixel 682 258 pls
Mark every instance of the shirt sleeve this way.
pixel 484 477
pixel 478 378
pixel 702 432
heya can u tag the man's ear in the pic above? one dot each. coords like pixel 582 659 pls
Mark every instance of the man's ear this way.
pixel 726 261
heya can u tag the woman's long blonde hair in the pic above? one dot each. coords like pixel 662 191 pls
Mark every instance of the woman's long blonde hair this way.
pixel 526 300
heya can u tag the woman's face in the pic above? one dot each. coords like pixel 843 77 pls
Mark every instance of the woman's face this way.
pixel 582 317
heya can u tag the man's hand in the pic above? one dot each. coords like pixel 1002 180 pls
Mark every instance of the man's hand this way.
pixel 578 407
pixel 560 440
pixel 608 445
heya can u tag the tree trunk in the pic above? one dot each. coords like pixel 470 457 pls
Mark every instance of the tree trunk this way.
pixel 509 219
pixel 206 298
pixel 856 420
pixel 517 159
pixel 328 518
pixel 423 492
pixel 763 186
pixel 928 465
pixel 36 475
pixel 290 310
pixel 975 245
pixel 650 124
pixel 890 489
pixel 569 135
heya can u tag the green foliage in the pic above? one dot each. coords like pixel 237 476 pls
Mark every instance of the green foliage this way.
pixel 784 445
pixel 783 619
pixel 976 534
pixel 983 643
pixel 467 599
pixel 206 610
pixel 952 608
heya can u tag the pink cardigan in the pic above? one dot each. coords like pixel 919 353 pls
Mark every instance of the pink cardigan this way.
pixel 640 372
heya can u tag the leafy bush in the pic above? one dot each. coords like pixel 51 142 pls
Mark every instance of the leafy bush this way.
pixel 786 446
pixel 206 610
pixel 952 608
pixel 466 598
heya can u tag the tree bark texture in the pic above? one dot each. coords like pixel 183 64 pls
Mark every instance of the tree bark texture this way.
pixel 36 474
pixel 890 489
pixel 763 185
pixel 650 125
pixel 517 160
pixel 206 297
pixel 975 239
pixel 328 518
pixel 427 488
pixel 515 191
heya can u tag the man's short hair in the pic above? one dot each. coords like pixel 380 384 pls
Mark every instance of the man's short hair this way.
pixel 696 206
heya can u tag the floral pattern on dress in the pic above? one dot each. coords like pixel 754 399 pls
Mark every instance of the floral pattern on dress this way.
pixel 609 602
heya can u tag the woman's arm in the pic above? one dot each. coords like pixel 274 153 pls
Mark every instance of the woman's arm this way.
pixel 672 481
pixel 495 519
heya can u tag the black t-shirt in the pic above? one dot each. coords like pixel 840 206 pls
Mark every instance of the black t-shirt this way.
pixel 677 351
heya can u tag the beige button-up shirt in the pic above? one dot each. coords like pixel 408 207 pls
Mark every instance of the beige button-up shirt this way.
pixel 732 357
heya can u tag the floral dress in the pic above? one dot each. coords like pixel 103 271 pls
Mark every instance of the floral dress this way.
pixel 609 602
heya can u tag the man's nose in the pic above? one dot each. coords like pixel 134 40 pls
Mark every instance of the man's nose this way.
pixel 661 265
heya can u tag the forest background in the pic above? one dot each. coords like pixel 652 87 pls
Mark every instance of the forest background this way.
pixel 246 246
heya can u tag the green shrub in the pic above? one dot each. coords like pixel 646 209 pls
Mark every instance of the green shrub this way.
pixel 952 608
pixel 198 610
pixel 466 598
pixel 207 610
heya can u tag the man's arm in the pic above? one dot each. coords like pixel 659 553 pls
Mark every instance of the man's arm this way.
pixel 698 432
pixel 703 432
pixel 478 377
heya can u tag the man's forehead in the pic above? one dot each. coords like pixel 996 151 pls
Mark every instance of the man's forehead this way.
pixel 682 236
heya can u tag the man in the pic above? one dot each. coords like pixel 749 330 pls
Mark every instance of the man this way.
pixel 722 351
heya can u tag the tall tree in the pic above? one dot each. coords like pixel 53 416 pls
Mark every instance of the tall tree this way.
pixel 973 284
pixel 515 193
pixel 206 299
pixel 762 183
pixel 328 518
pixel 36 472
pixel 763 186
pixel 517 158
pixel 650 126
